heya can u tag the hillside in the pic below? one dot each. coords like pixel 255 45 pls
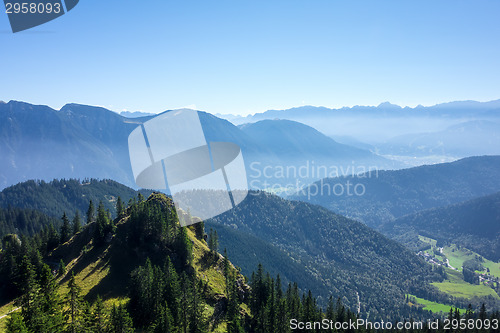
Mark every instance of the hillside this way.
pixel 479 137
pixel 383 196
pixel 105 268
pixel 344 256
pixel 25 221
pixel 474 224
pixel 296 144
pixel 143 272
pixel 58 196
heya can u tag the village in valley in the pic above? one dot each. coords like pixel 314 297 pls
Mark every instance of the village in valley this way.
pixel 457 259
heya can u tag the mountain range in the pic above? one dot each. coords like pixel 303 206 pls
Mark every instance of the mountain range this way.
pixel 378 197
pixel 478 137
pixel 79 141
pixel 376 125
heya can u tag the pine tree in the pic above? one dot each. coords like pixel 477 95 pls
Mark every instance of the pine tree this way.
pixel 29 289
pixel 53 238
pixel 65 229
pixel 73 304
pixel 62 268
pixel 213 241
pixel 99 317
pixel 233 309
pixel 330 309
pixel 120 320
pixel 102 224
pixel 77 223
pixel 88 318
pixel 50 303
pixel 90 212
pixel 184 247
pixel 172 289
pixel 196 321
pixel 482 312
pixel 199 230
pixel 165 321
pixel 15 324
pixel 270 311
pixel 216 241
pixel 184 302
pixel 120 207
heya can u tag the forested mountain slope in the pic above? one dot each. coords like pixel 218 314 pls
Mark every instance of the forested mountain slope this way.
pixel 383 196
pixel 345 256
pixel 473 224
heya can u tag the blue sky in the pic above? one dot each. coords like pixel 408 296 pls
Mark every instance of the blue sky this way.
pixel 250 56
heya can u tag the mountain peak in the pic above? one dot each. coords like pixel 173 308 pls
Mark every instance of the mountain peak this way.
pixel 388 105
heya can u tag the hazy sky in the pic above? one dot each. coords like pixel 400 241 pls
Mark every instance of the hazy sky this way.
pixel 249 56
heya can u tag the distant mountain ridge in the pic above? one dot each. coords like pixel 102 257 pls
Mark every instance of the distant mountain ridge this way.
pixel 376 124
pixel 37 142
pixel 479 136
pixel 80 141
pixel 388 195
pixel 135 114
pixel 465 107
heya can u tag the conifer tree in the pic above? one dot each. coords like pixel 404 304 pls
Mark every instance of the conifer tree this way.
pixel 233 309
pixel 77 223
pixel 213 241
pixel 62 268
pixel 15 324
pixel 50 303
pixel 199 230
pixel 184 302
pixel 90 212
pixel 53 238
pixel 29 289
pixel 184 247
pixel 196 321
pixel 482 312
pixel 102 224
pixel 172 289
pixel 87 318
pixel 73 302
pixel 120 207
pixel 65 229
pixel 99 317
pixel 165 321
pixel 120 320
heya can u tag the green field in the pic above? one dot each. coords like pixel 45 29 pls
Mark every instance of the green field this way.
pixel 457 287
pixel 493 266
pixel 433 306
pixel 465 290
pixel 457 256
pixel 427 240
